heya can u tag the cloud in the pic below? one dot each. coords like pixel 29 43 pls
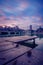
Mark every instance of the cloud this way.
pixel 16 8
pixel 36 18
pixel 2 18
pixel 22 6
pixel 22 22
pixel 1 13
pixel 21 12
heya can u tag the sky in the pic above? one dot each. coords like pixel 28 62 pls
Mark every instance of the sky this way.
pixel 22 13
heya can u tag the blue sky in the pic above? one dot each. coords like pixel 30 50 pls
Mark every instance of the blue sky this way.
pixel 22 13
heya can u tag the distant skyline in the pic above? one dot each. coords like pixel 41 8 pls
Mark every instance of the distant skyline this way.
pixel 21 13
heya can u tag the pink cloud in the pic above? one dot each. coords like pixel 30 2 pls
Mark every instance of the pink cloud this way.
pixel 36 18
pixel 22 22
pixel 11 17
pixel 2 18
pixel 9 7
pixel 21 6
pixel 1 12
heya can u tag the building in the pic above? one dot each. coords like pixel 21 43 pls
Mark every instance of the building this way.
pixel 39 30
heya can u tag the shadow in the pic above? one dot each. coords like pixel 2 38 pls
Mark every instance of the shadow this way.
pixel 29 53
pixel 17 46
pixel 28 44
pixel 2 58
pixel 15 62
